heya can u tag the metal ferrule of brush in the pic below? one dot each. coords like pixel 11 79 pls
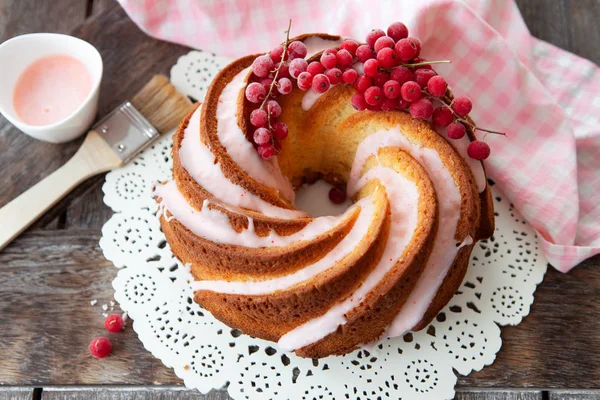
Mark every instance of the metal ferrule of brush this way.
pixel 126 130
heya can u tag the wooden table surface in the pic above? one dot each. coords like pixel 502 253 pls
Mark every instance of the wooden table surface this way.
pixel 49 275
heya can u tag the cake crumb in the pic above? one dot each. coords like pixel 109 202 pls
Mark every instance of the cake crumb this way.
pixel 104 314
pixel 105 307
pixel 93 302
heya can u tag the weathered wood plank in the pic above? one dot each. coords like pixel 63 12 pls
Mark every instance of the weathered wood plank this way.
pixel 570 24
pixel 478 394
pixel 100 5
pixel 574 395
pixel 16 393
pixel 47 279
pixel 131 393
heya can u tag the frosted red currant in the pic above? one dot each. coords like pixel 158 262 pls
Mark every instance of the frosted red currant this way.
pixel 462 105
pixel 410 91
pixel 100 347
pixel 284 70
pixel 305 80
pixel 402 104
pixel 389 105
pixel 387 58
pixel 284 86
pixel 334 75
pixel 391 89
pixel 315 68
pixel 349 76
pixel 478 150
pixel 255 92
pixel 381 78
pixel 350 45
pixel 266 151
pixel 422 76
pixel 421 109
pixel 280 130
pixel 455 130
pixel 373 36
pixel 442 116
pixel 344 58
pixel 258 117
pixel 383 42
pixel 417 44
pixel 297 49
pixel 397 31
pixel 374 95
pixel 297 66
pixel 436 86
pixel 358 101
pixel 364 53
pixel 276 53
pixel 262 66
pixel 114 323
pixel 320 83
pixel 401 75
pixel 266 82
pixel 261 136
pixel 328 59
pixel 273 108
pixel 363 83
pixel 405 49
pixel 371 67
pixel 337 195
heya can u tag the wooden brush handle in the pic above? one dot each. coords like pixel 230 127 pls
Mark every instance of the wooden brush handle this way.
pixel 93 157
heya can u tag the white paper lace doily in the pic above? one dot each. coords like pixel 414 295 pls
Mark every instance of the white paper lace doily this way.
pixel 154 289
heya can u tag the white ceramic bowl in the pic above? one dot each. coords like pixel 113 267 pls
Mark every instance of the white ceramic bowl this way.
pixel 20 52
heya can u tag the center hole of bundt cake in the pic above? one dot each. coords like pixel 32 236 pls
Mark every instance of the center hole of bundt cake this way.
pixel 314 199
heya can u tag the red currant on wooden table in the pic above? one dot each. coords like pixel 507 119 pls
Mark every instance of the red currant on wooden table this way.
pixel 114 323
pixel 100 347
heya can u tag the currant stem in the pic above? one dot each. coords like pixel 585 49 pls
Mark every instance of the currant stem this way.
pixel 419 64
pixel 283 55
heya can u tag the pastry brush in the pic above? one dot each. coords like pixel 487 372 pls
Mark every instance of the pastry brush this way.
pixel 112 142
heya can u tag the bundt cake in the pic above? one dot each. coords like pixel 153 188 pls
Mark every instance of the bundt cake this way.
pixel 321 286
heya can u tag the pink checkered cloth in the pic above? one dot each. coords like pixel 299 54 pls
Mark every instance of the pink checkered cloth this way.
pixel 548 100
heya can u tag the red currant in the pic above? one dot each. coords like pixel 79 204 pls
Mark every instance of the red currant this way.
pixel 337 195
pixel 305 81
pixel 436 86
pixel 402 104
pixel 262 66
pixel 397 31
pixel 297 66
pixel 273 108
pixel 374 95
pixel 442 116
pixel 297 49
pixel 334 75
pixel 280 130
pixel 364 53
pixel 478 150
pixel 391 89
pixel 373 36
pixel 456 130
pixel 417 44
pixel 328 59
pixel 100 347
pixel 462 105
pixel 405 49
pixel 258 117
pixel 381 78
pixel 401 75
pixel 284 71
pixel 371 68
pixel 266 83
pixel 363 83
pixel 387 58
pixel 320 83
pixel 383 42
pixel 344 58
pixel 422 76
pixel 358 101
pixel 266 151
pixel 114 323
pixel 350 45
pixel 421 109
pixel 262 136
pixel 255 92
pixel 284 86
pixel 315 68
pixel 389 105
pixel 350 76
pixel 276 53
pixel 410 91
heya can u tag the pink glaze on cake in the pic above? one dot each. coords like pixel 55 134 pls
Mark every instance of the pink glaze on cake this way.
pixel 51 89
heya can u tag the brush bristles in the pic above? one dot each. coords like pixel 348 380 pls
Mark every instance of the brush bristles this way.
pixel 162 105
